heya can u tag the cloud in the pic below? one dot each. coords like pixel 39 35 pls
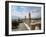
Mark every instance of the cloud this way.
pixel 22 11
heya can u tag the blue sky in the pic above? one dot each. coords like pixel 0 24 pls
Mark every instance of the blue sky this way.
pixel 22 11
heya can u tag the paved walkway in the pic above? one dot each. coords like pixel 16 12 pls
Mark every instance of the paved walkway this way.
pixel 21 27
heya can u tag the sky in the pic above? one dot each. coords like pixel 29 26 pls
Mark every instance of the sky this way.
pixel 22 11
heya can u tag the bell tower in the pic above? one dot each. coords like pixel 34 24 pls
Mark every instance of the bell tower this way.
pixel 29 18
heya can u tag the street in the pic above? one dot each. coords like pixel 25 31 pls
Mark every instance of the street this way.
pixel 21 27
pixel 26 26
